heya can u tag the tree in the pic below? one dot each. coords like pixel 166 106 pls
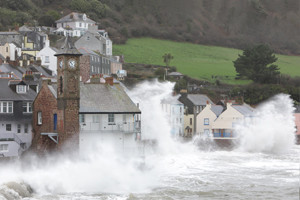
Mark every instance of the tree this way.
pixel 167 58
pixel 256 64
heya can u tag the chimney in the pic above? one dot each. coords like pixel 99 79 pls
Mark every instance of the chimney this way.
pixel 109 80
pixel 16 28
pixel 47 43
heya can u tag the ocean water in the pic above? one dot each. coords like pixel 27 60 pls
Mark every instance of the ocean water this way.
pixel 265 165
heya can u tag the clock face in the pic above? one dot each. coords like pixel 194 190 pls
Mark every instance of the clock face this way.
pixel 72 63
pixel 61 63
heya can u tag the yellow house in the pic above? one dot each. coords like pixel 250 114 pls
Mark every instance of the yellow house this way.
pixel 206 118
pixel 188 124
pixel 223 126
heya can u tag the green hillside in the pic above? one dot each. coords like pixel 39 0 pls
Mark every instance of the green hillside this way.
pixel 197 61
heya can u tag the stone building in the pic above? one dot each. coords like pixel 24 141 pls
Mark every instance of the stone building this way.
pixel 72 114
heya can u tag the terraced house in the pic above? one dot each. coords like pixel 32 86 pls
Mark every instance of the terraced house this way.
pixel 15 116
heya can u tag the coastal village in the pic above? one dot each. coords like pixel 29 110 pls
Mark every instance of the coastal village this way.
pixel 70 94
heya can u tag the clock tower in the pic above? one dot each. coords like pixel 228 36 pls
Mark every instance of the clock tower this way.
pixel 68 94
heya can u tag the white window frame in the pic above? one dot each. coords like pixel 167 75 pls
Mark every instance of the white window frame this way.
pixel 39 118
pixel 96 118
pixel 206 121
pixel 19 128
pixel 28 106
pixel 21 88
pixel 47 59
pixel 6 127
pixel 81 118
pixel 111 119
pixel 3 147
pixel 6 107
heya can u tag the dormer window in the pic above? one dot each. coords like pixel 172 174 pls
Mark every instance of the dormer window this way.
pixel 21 88
pixel 84 17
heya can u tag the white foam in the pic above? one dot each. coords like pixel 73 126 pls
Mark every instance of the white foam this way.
pixel 271 129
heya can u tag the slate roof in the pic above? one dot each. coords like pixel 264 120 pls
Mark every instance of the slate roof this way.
pixel 53 89
pixel 199 99
pixel 74 17
pixel 86 51
pixel 244 109
pixel 68 48
pixel 8 68
pixel 217 109
pixel 8 94
pixel 103 98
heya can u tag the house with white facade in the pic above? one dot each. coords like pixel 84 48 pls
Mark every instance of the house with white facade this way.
pixel 95 40
pixel 107 114
pixel 74 24
pixel 223 126
pixel 15 116
pixel 206 118
pixel 11 50
pixel 46 55
pixel 175 113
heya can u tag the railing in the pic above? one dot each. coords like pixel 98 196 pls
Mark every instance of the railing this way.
pixel 127 127
pixel 223 135
pixel 11 137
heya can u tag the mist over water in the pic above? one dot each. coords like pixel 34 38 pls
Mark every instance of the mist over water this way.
pixel 171 170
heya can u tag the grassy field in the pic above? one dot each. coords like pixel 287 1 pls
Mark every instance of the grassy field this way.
pixel 197 61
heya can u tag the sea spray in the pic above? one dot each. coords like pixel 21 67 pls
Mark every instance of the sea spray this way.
pixel 271 129
pixel 102 168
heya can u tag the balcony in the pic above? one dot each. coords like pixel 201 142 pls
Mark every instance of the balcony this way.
pixel 127 127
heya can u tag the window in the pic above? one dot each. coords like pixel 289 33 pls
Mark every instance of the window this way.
pixel 26 128
pixel 27 107
pixel 79 24
pixel 3 147
pixel 191 121
pixel 180 110
pixel 8 127
pixel 19 128
pixel 47 59
pixel 96 118
pixel 111 118
pixel 21 88
pixel 6 49
pixel 81 118
pixel 92 68
pixel 206 121
pixel 6 107
pixel 39 118
pixel 61 84
pixel 124 118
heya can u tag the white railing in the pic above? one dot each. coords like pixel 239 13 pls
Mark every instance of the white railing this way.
pixel 126 127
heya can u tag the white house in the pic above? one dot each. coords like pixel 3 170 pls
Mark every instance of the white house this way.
pixel 74 24
pixel 47 57
pixel 206 118
pixel 175 113
pixel 15 115
pixel 107 113
pixel 10 50
pixel 223 126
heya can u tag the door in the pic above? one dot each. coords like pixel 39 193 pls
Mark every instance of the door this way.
pixel 55 122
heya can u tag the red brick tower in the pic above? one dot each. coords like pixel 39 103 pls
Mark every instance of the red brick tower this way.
pixel 68 94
